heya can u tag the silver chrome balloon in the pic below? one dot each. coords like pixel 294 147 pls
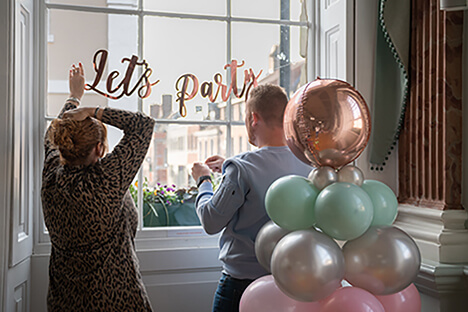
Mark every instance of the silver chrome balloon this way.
pixel 383 261
pixel 307 265
pixel 267 238
pixel 351 174
pixel 322 177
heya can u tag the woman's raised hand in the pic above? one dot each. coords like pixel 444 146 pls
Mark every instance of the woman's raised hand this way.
pixel 80 113
pixel 76 81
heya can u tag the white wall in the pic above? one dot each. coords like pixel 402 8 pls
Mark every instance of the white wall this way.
pixel 176 280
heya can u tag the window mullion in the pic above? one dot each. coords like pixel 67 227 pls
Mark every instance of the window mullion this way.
pixel 312 54
pixel 140 108
pixel 40 81
pixel 228 60
pixel 106 10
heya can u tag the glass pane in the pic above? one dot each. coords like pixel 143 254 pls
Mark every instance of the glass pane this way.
pixel 209 7
pixel 286 67
pixel 174 48
pixel 238 109
pixel 266 9
pixel 72 43
pixel 168 188
pixel 122 4
pixel 240 142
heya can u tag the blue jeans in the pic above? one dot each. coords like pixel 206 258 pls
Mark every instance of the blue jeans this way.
pixel 229 293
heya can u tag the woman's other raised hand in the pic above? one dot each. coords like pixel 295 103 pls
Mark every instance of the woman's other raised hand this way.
pixel 76 81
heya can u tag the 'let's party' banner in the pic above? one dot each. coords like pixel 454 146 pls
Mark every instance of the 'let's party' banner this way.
pixel 187 85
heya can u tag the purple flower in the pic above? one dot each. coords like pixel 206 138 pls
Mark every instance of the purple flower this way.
pixel 159 184
pixel 162 191
pixel 173 185
pixel 170 190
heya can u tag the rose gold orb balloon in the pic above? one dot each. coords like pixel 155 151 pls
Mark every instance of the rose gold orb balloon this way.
pixel 327 123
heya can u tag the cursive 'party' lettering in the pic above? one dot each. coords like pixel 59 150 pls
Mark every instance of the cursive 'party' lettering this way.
pixel 207 88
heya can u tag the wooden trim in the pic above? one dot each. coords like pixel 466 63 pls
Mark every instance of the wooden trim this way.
pixel 430 158
pixel 6 64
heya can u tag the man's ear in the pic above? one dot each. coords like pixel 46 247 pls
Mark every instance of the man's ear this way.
pixel 255 118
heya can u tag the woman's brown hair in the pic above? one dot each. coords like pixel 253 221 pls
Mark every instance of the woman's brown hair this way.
pixel 76 139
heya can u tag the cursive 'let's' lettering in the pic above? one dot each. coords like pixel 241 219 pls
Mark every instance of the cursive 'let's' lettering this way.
pixel 99 63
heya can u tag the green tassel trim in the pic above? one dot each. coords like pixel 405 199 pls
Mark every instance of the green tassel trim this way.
pixel 380 167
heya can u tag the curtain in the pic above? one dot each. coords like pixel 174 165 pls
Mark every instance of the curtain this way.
pixel 391 78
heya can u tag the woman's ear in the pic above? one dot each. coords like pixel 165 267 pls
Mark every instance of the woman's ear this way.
pixel 100 149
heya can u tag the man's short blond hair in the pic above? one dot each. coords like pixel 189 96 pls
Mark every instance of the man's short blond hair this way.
pixel 269 101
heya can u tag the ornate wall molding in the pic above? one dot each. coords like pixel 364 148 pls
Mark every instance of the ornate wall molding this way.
pixel 447 284
pixel 440 234
pixel 443 241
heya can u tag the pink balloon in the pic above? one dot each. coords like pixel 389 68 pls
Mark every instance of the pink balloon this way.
pixel 264 296
pixel 351 299
pixel 407 300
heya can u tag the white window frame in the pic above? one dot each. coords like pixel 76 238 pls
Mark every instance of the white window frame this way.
pixel 163 237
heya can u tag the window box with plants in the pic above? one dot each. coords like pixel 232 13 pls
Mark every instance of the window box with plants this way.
pixel 165 205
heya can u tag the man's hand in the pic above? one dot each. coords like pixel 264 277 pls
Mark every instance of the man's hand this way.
pixel 215 163
pixel 199 169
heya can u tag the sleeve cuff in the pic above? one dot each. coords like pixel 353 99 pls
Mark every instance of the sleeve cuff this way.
pixel 205 189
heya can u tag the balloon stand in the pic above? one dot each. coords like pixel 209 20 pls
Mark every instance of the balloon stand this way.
pixel 327 126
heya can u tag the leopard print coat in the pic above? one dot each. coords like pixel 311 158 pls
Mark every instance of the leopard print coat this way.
pixel 92 222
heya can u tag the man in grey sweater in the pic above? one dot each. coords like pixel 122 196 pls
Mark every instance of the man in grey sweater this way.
pixel 237 207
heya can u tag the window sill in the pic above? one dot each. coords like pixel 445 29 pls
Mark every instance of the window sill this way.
pixel 158 239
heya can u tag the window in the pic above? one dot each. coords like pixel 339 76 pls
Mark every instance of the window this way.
pixel 199 37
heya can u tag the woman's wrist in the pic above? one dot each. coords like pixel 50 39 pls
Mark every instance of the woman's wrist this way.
pixel 76 95
pixel 94 112
pixel 97 113
pixel 74 100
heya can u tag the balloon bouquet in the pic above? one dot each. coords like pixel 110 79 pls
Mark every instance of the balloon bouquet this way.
pixel 327 125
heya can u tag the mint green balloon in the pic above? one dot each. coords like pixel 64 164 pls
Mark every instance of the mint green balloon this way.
pixel 289 202
pixel 343 211
pixel 384 201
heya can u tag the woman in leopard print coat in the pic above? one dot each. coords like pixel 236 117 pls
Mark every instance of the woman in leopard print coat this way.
pixel 88 211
